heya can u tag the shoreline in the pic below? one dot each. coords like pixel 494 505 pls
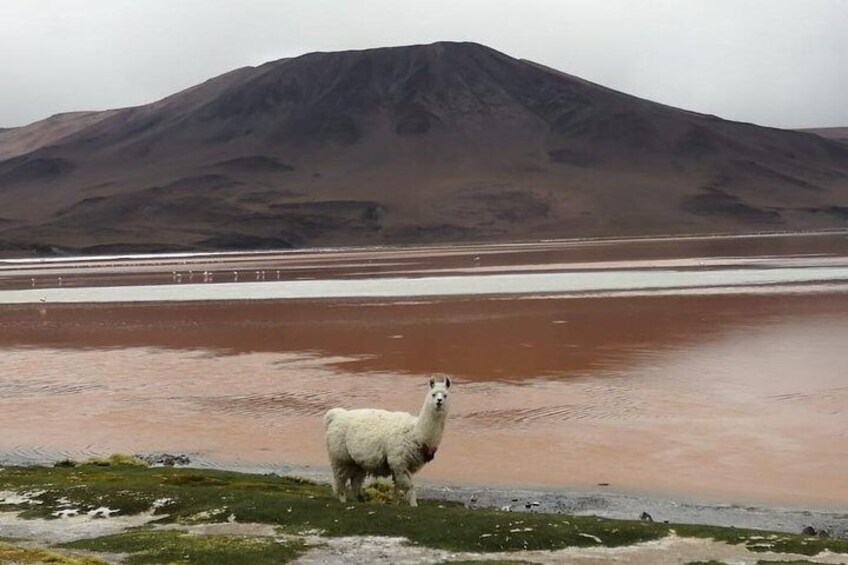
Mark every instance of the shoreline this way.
pixel 615 505
pixel 446 246
pixel 562 500
pixel 470 286
pixel 110 507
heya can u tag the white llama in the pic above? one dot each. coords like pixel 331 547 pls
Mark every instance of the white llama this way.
pixel 380 443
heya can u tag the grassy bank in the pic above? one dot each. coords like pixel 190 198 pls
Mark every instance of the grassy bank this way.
pixel 187 497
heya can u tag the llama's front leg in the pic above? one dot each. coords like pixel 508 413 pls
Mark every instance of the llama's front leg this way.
pixel 403 485
pixel 357 477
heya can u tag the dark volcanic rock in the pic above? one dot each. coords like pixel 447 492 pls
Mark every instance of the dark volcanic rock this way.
pixel 253 163
pixel 165 459
pixel 29 169
pixel 718 202
pixel 237 241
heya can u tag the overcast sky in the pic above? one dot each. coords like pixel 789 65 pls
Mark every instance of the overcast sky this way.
pixel 781 63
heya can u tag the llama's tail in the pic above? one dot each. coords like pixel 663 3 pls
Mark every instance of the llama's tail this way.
pixel 330 415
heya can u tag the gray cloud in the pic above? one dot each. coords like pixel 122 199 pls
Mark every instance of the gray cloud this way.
pixel 774 62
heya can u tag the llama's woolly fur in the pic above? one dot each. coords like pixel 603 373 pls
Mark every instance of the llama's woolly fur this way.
pixel 381 443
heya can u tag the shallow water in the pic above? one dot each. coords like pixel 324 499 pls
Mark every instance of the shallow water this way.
pixel 716 390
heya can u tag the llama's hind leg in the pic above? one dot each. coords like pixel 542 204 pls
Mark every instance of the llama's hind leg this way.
pixel 357 477
pixel 404 487
pixel 340 478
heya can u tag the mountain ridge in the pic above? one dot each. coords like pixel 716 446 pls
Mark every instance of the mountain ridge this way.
pixel 441 142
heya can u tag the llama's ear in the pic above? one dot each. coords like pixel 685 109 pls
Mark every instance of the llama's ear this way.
pixel 432 382
pixel 447 382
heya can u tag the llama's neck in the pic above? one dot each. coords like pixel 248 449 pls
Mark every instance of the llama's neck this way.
pixel 430 426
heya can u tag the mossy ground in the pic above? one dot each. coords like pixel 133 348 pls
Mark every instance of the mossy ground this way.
pixel 172 546
pixel 766 541
pixel 189 496
pixel 15 553
pixel 295 506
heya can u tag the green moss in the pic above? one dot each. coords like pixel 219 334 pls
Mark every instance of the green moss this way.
pixel 115 459
pixel 171 546
pixel 759 541
pixel 195 480
pixel 805 546
pixel 296 506
pixel 11 553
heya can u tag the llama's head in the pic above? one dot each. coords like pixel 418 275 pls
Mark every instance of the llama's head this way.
pixel 437 398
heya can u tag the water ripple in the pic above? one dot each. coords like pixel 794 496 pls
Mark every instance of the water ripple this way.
pixel 16 388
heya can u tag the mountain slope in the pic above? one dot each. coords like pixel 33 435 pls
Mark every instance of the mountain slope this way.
pixel 837 133
pixel 442 142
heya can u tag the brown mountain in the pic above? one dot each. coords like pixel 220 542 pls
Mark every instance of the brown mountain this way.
pixel 840 134
pixel 442 142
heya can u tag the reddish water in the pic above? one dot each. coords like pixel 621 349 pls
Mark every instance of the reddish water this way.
pixel 736 397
